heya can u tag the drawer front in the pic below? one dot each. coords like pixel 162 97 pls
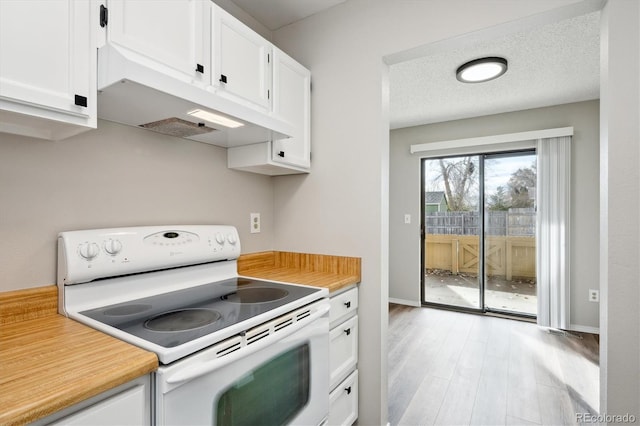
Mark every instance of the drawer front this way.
pixel 343 402
pixel 343 305
pixel 343 350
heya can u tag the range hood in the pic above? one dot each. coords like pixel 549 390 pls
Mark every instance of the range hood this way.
pixel 137 94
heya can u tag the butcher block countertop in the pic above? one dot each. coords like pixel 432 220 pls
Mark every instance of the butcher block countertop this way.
pixel 332 272
pixel 49 362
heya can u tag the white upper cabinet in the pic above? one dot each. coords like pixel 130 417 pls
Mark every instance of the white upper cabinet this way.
pixel 169 35
pixel 47 68
pixel 291 103
pixel 241 61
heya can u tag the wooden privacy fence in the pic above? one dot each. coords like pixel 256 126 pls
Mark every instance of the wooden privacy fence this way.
pixel 516 222
pixel 508 256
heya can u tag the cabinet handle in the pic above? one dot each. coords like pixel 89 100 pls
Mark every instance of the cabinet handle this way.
pixel 200 68
pixel 348 331
pixel 281 154
pixel 348 390
pixel 223 78
pixel 347 304
pixel 104 16
pixel 81 101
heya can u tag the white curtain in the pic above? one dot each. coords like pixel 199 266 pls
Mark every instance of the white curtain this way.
pixel 553 199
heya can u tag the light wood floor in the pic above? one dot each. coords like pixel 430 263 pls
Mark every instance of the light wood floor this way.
pixel 450 368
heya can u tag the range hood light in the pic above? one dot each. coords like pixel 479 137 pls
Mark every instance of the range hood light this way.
pixel 215 118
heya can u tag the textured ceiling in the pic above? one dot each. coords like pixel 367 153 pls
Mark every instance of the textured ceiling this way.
pixel 554 64
pixel 275 14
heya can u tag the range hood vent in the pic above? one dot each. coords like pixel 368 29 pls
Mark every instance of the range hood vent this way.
pixel 136 93
pixel 177 127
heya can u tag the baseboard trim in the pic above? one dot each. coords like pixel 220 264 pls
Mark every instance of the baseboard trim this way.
pixel 584 329
pixel 404 302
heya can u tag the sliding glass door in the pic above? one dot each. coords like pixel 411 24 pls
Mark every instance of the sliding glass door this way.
pixel 452 239
pixel 479 232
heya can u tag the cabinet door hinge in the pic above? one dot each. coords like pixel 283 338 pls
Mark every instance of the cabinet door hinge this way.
pixel 104 16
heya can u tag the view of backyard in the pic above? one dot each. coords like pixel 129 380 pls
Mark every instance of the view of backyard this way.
pixel 517 295
pixel 454 251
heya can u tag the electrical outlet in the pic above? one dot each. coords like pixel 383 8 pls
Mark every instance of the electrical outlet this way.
pixel 255 222
pixel 407 218
pixel 594 295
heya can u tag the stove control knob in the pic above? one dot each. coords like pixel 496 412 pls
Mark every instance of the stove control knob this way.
pixel 220 238
pixel 88 250
pixel 232 239
pixel 112 247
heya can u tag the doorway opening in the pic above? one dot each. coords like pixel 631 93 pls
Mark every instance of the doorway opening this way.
pixel 479 232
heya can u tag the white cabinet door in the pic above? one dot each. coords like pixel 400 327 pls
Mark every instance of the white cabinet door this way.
pixel 291 103
pixel 343 402
pixel 241 61
pixel 343 350
pixel 126 408
pixel 47 62
pixel 169 33
pixel 127 404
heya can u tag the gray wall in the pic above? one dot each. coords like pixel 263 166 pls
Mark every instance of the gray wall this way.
pixel 404 267
pixel 115 176
pixel 343 205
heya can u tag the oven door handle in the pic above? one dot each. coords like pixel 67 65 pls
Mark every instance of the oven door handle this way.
pixel 205 367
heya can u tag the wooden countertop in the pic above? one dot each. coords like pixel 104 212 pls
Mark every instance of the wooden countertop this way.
pixel 332 272
pixel 49 362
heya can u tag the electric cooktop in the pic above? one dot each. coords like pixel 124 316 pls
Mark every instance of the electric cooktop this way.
pixel 173 318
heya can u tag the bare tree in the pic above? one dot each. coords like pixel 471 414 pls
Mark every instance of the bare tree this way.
pixel 458 176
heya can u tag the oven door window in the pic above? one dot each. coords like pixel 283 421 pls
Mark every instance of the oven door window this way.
pixel 272 394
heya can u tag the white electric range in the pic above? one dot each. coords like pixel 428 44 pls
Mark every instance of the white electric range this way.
pixel 233 350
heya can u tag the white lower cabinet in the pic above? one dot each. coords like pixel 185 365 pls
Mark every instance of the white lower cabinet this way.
pixel 343 358
pixel 128 404
pixel 343 401
pixel 343 348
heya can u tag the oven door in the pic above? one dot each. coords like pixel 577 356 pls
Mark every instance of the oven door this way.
pixel 281 379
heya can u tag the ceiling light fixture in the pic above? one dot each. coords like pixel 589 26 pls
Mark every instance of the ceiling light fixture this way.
pixel 480 70
pixel 215 118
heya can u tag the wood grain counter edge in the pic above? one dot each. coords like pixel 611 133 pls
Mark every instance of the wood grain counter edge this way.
pixel 49 362
pixel 332 272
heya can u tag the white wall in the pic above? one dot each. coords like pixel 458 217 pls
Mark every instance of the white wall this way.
pixel 619 209
pixel 243 16
pixel 404 281
pixel 342 206
pixel 115 176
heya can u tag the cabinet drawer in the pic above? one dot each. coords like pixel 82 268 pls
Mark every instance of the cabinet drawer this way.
pixel 343 402
pixel 343 305
pixel 127 404
pixel 343 350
